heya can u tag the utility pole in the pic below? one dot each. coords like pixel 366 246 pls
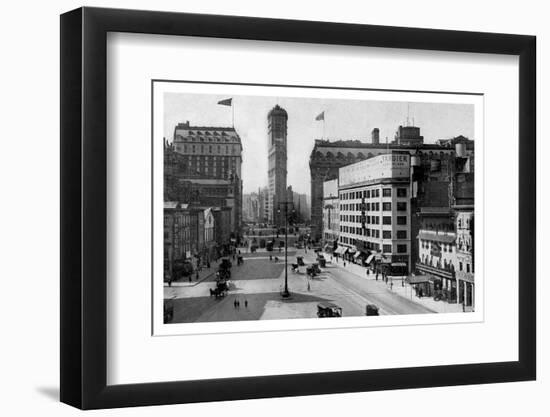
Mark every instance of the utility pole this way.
pixel 286 292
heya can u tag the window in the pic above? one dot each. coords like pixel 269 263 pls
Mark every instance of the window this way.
pixel 386 248
pixel 386 220
pixel 460 266
pixel 401 248
pixel 368 206
pixel 401 220
pixel 386 234
pixel 386 206
pixel 401 192
pixel 386 192
pixel 402 234
pixel 368 193
pixel 468 268
pixel 401 206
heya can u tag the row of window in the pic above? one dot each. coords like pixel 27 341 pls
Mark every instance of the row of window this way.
pixel 400 206
pixel 386 234
pixel 444 247
pixel 210 148
pixel 386 192
pixel 400 220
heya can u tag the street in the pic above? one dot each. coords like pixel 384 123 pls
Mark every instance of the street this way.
pixel 257 283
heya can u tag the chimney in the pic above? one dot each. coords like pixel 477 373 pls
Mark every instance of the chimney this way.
pixel 375 136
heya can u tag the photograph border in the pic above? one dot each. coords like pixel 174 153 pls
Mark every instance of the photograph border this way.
pixel 154 291
pixel 83 177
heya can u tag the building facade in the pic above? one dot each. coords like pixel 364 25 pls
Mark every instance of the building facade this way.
pixel 277 120
pixel 465 256
pixel 203 166
pixel 331 215
pixel 327 157
pixel 375 211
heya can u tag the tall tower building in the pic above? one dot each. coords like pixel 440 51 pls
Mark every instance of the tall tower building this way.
pixel 276 132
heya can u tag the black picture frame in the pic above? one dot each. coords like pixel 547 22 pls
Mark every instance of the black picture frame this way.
pixel 84 207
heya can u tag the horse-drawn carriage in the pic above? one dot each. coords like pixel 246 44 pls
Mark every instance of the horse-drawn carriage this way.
pixel 222 277
pixel 313 270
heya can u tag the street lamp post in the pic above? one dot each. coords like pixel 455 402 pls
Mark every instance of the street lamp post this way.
pixel 286 292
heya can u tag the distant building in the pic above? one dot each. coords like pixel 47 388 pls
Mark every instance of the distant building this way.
pixel 251 208
pixel 277 158
pixel 263 200
pixel 301 205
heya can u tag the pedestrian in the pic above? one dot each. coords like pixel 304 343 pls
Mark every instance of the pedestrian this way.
pixel 270 257
pixel 245 303
pixel 391 285
pixel 376 275
pixel 190 279
pixel 238 304
pixel 308 286
pixel 235 303
pixel 197 275
pixel 208 264
pixel 344 264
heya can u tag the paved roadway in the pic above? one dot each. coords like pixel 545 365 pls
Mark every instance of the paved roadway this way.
pixel 257 284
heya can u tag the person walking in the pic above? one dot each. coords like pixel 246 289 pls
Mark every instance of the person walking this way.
pixel 197 275
pixel 245 303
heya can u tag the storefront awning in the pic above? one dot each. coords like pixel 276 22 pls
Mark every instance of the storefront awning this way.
pixel 418 279
pixel 340 250
pixel 351 250
pixel 369 259
pixel 357 254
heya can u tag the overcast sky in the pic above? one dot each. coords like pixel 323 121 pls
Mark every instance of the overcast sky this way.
pixel 344 119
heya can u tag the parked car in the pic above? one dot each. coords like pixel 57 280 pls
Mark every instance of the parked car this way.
pixel 371 310
pixel 326 309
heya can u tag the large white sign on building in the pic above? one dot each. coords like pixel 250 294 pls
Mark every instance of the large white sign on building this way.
pixel 379 167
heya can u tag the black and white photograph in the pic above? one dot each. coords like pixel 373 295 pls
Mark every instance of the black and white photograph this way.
pixel 309 207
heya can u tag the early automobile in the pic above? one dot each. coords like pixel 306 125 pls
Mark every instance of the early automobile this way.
pixel 326 309
pixel 321 260
pixel 371 310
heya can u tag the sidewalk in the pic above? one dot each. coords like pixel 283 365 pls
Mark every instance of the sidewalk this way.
pixel 406 290
pixel 204 274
